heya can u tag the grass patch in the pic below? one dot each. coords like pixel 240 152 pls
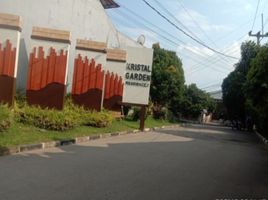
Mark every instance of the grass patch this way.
pixel 20 133
pixel 5 118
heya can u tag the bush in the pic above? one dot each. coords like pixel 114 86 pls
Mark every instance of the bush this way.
pixel 88 118
pixel 5 118
pixel 172 118
pixel 135 115
pixel 20 99
pixel 160 112
pixel 98 119
pixel 47 119
pixel 126 110
pixel 66 119
pixel 76 111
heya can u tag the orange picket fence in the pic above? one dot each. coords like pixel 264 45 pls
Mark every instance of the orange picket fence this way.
pixel 43 71
pixel 87 75
pixel 7 59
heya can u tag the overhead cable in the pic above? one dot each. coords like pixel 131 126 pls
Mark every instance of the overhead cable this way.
pixel 185 33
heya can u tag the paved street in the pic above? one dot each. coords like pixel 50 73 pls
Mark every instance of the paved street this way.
pixel 193 162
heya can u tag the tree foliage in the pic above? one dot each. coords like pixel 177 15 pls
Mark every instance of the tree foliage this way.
pixel 233 86
pixel 167 79
pixel 194 101
pixel 168 89
pixel 233 95
pixel 245 90
pixel 257 89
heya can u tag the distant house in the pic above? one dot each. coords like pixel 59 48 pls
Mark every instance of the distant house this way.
pixel 220 112
pixel 216 95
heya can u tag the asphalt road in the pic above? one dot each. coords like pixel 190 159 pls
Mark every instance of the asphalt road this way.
pixel 194 162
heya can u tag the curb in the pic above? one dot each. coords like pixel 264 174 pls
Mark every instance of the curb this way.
pixel 30 147
pixel 263 139
pixel 78 140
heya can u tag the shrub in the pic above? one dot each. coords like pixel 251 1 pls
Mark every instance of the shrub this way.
pixel 88 118
pixel 98 119
pixel 77 112
pixel 171 117
pixel 135 116
pixel 47 119
pixel 20 99
pixel 5 118
pixel 71 116
pixel 160 112
pixel 126 110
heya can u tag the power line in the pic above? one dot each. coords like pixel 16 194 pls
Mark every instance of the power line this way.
pixel 164 31
pixel 170 41
pixel 266 21
pixel 256 12
pixel 134 21
pixel 259 35
pixel 179 22
pixel 195 22
pixel 197 67
pixel 210 83
pixel 211 86
pixel 185 33
pixel 264 6
pixel 150 23
pixel 233 31
pixel 124 16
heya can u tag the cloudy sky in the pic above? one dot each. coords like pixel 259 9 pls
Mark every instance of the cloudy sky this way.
pixel 220 24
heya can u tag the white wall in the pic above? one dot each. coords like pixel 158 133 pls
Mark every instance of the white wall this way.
pixel 86 19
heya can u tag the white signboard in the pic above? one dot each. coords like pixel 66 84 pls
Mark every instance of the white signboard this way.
pixel 138 76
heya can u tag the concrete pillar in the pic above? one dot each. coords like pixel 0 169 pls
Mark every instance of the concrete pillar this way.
pixel 10 30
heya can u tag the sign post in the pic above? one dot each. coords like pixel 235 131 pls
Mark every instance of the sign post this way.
pixel 138 79
pixel 142 117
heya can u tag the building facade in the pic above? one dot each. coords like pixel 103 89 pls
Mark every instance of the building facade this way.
pixel 85 19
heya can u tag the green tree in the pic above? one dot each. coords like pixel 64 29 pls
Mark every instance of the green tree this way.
pixel 249 50
pixel 233 95
pixel 167 79
pixel 168 89
pixel 233 85
pixel 194 101
pixel 257 89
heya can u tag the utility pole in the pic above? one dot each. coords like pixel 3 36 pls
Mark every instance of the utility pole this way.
pixel 259 35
